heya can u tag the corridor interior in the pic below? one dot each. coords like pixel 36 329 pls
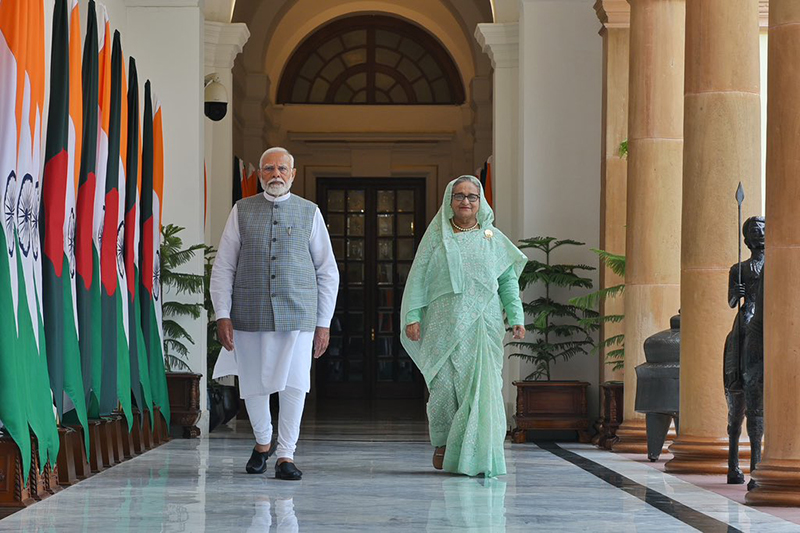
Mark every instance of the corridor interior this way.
pixel 367 468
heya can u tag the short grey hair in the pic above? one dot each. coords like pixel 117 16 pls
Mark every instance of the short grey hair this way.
pixel 276 150
pixel 467 177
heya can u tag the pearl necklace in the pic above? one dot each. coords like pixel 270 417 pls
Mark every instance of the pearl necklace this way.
pixel 459 228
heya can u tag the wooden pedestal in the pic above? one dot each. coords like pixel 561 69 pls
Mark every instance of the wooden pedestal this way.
pixel 95 446
pixel 66 456
pixel 107 442
pixel 116 437
pixel 184 402
pixel 136 434
pixel 82 467
pixel 147 431
pixel 611 406
pixel 551 405
pixel 14 495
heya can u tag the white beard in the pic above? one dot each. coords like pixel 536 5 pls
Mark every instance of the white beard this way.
pixel 276 189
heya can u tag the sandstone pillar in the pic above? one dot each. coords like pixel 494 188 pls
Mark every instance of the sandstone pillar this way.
pixel 778 474
pixel 722 146
pixel 655 160
pixel 615 16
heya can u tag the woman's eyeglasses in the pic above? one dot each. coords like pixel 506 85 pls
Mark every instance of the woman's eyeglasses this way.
pixel 458 197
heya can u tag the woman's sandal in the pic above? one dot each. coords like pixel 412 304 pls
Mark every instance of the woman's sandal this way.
pixel 438 458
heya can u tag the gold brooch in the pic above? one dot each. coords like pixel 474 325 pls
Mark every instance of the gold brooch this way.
pixel 488 234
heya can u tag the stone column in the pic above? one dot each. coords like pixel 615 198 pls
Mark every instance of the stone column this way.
pixel 778 474
pixel 655 161
pixel 615 17
pixel 501 43
pixel 223 42
pixel 722 146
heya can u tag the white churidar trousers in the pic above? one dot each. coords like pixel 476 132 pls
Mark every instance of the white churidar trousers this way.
pixel 291 411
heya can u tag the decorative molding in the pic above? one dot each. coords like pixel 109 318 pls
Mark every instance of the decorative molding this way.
pixel 500 41
pixel 163 3
pixel 613 13
pixel 223 42
pixel 763 14
pixel 370 138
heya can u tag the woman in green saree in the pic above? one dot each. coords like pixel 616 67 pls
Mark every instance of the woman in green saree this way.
pixel 465 273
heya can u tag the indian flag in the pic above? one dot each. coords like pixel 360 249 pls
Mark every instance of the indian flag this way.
pixel 25 399
pixel 116 365
pixel 139 373
pixel 150 274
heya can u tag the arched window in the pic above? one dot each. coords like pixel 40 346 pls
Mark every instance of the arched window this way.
pixel 371 59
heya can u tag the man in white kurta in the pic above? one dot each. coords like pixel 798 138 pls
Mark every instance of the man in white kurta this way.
pixel 269 359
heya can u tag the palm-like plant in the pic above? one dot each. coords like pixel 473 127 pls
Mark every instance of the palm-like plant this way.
pixel 173 256
pixel 557 327
pixel 615 344
pixel 213 344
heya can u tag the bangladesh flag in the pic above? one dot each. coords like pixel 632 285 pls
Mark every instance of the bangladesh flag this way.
pixel 116 366
pixel 150 274
pixel 58 216
pixel 139 374
pixel 87 261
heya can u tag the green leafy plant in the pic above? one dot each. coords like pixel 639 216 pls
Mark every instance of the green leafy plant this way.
pixel 174 256
pixel 623 148
pixel 212 342
pixel 615 344
pixel 557 328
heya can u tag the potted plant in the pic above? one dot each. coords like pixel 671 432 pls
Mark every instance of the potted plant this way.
pixel 611 392
pixel 183 385
pixel 556 333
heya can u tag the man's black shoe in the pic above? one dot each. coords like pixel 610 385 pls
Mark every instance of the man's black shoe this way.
pixel 258 460
pixel 287 471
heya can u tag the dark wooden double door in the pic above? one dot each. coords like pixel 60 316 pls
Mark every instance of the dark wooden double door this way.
pixel 375 227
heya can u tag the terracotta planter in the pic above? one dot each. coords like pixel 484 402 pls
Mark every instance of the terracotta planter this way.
pixel 551 405
pixel 184 402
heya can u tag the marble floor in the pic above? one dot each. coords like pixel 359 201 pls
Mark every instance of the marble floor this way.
pixel 376 476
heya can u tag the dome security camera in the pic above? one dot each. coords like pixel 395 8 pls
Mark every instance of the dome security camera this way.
pixel 216 98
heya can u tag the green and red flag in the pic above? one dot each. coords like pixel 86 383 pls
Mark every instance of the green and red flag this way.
pixel 116 362
pixel 139 373
pixel 58 211
pixel 87 257
pixel 150 274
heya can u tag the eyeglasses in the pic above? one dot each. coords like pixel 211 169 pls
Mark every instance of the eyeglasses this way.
pixel 269 169
pixel 458 197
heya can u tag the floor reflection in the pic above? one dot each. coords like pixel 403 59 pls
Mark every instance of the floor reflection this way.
pixel 284 518
pixel 469 504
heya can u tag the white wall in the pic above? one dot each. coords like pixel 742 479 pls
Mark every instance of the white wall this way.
pixel 560 139
pixel 167 43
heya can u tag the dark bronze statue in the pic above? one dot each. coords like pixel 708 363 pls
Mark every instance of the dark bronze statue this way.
pixel 743 386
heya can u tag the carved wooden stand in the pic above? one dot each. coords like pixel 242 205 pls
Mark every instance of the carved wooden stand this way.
pixel 14 495
pixel 184 402
pixel 551 405
pixel 611 406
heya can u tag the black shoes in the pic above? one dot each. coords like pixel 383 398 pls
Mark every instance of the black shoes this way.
pixel 287 471
pixel 258 460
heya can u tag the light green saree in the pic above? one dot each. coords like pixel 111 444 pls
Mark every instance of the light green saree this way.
pixel 457 289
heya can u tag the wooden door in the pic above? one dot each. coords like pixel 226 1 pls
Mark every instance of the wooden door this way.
pixel 375 227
